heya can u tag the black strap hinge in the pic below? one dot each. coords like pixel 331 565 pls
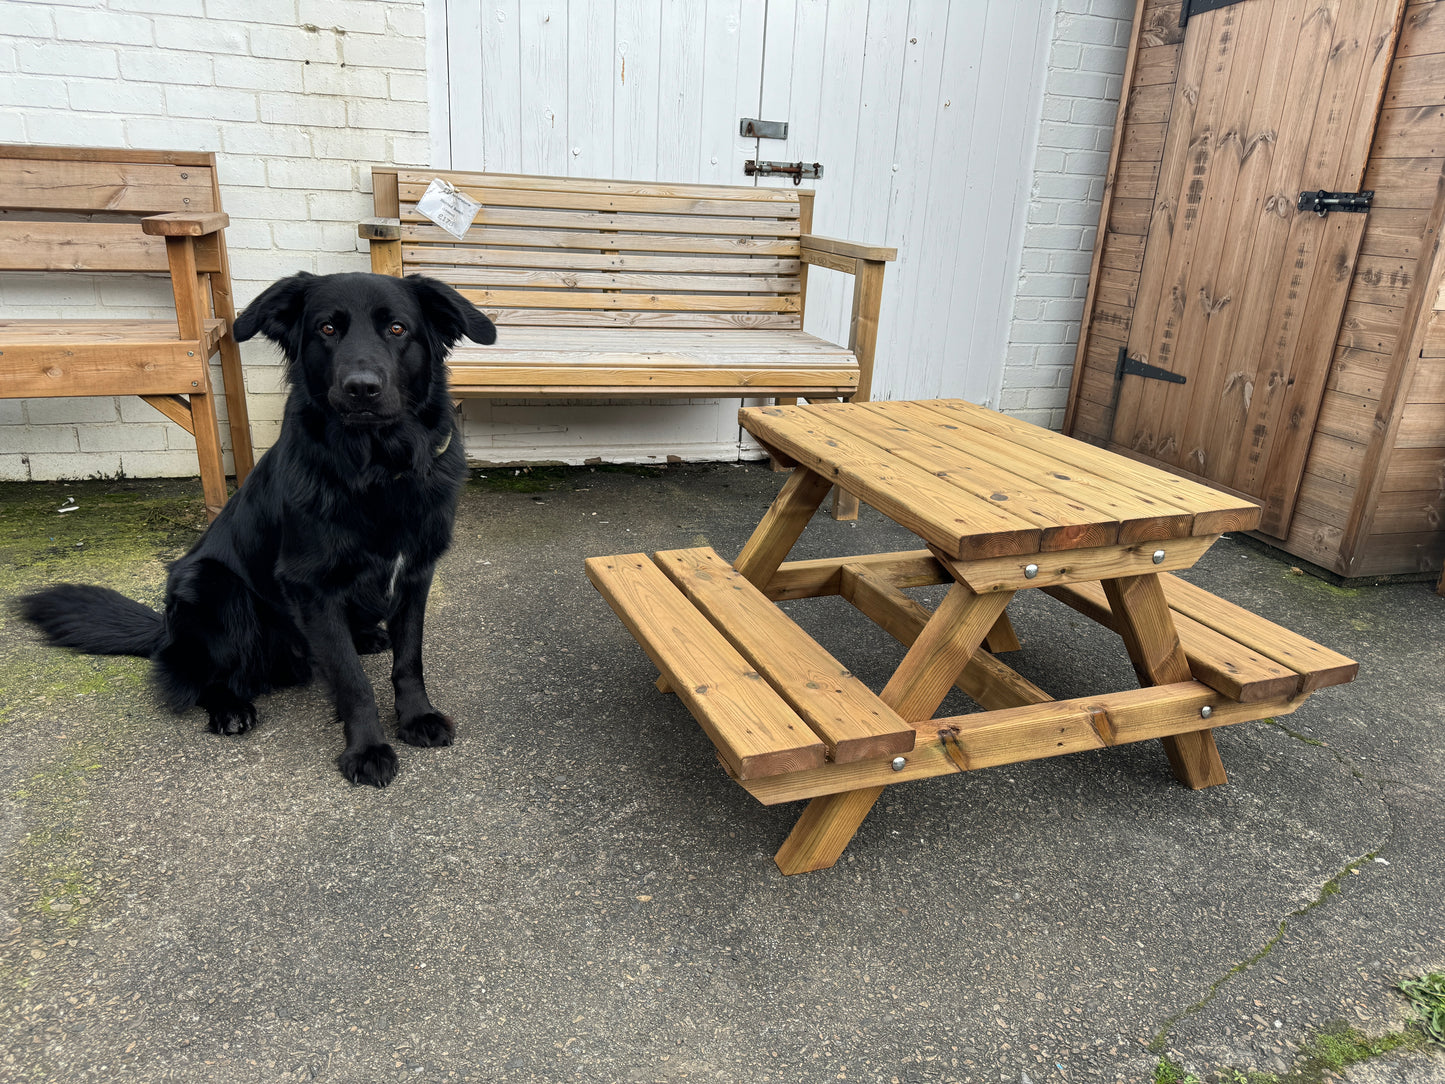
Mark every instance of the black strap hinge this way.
pixel 1199 7
pixel 1134 367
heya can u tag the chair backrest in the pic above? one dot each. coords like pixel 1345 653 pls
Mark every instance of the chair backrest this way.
pixel 79 208
pixel 567 252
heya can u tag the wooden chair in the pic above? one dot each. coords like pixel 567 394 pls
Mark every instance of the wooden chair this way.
pixel 95 211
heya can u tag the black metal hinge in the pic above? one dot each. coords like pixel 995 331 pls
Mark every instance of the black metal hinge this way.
pixel 1322 202
pixel 1199 7
pixel 1134 367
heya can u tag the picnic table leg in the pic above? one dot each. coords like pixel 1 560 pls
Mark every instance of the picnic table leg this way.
pixel 1142 613
pixel 781 525
pixel 919 685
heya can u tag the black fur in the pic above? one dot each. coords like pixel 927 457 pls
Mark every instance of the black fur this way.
pixel 328 548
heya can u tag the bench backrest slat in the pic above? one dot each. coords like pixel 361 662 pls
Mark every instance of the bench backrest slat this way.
pixel 91 246
pixel 79 209
pixel 562 251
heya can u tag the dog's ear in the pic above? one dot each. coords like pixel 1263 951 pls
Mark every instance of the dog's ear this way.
pixel 449 313
pixel 275 312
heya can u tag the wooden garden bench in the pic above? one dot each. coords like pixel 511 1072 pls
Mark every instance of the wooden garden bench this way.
pixel 1004 507
pixel 607 289
pixel 68 209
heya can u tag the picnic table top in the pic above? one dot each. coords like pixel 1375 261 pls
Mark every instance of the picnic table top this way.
pixel 976 483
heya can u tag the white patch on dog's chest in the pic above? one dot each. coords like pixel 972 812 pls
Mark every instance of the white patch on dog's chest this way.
pixel 396 567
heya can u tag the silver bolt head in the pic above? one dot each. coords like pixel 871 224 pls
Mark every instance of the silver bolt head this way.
pixel 1158 557
pixel 1205 712
pixel 898 763
pixel 1030 571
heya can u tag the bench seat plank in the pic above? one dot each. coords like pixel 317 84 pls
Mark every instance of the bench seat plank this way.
pixel 1235 669
pixel 1318 666
pixel 646 361
pixel 756 733
pixel 852 721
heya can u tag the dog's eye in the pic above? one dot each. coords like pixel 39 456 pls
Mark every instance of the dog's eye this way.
pixel 397 329
pixel 328 330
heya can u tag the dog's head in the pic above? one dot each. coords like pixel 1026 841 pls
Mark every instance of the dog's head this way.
pixel 368 346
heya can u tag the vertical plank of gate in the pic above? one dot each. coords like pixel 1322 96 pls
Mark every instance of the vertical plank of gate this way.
pixel 1203 77
pixel 1143 620
pixel 1282 113
pixel 1206 290
pixel 1258 120
pixel 1280 357
pixel 781 525
pixel 1308 43
pixel 1292 424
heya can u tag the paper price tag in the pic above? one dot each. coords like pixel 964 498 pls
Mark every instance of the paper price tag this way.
pixel 453 211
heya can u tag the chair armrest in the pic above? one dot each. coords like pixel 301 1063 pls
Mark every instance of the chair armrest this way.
pixel 185 223
pixel 379 229
pixel 848 249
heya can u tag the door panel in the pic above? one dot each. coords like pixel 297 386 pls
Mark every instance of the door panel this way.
pixel 1240 292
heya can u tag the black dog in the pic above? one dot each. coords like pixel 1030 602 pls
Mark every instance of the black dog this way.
pixel 334 533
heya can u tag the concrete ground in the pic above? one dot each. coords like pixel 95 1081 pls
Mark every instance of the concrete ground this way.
pixel 575 890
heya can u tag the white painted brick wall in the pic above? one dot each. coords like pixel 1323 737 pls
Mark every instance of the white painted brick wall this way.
pixel 1081 100
pixel 296 97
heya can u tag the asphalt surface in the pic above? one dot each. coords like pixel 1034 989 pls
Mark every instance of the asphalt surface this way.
pixel 576 892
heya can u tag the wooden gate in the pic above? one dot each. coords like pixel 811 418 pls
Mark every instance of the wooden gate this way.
pixel 1223 352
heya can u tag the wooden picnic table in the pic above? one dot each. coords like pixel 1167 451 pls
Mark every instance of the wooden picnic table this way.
pixel 1002 506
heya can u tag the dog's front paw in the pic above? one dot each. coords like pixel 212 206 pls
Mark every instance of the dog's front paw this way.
pixel 431 728
pixel 236 718
pixel 373 764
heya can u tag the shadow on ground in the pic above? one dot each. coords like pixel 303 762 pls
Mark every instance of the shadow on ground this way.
pixel 576 891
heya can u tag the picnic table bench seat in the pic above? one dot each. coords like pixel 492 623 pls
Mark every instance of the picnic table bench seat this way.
pixel 614 289
pixel 783 713
pixel 106 212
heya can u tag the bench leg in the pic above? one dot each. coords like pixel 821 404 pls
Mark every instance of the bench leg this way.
pixel 1142 614
pixel 781 525
pixel 208 451
pixel 818 839
pixel 845 505
pixel 1002 639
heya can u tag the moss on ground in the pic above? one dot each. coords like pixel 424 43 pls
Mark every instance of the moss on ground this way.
pixel 121 535
pixel 1320 1056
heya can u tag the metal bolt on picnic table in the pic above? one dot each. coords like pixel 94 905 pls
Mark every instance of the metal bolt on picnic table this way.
pixel 1002 506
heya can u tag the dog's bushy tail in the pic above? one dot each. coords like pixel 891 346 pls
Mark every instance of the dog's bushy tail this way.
pixel 95 620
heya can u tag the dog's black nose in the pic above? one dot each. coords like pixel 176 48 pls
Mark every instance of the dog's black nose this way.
pixel 363 388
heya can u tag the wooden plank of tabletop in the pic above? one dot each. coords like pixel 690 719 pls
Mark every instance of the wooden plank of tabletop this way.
pixel 1140 517
pixel 937 511
pixel 1214 512
pixel 1064 523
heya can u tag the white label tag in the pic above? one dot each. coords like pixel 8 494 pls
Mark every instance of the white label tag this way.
pixel 453 211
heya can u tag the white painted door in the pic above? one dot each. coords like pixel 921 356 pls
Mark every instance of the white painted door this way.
pixel 923 113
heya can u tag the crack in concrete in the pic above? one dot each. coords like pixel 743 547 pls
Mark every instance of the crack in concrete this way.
pixel 1330 888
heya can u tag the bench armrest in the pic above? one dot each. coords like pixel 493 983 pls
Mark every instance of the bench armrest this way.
pixel 185 223
pixel 848 249
pixel 379 229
